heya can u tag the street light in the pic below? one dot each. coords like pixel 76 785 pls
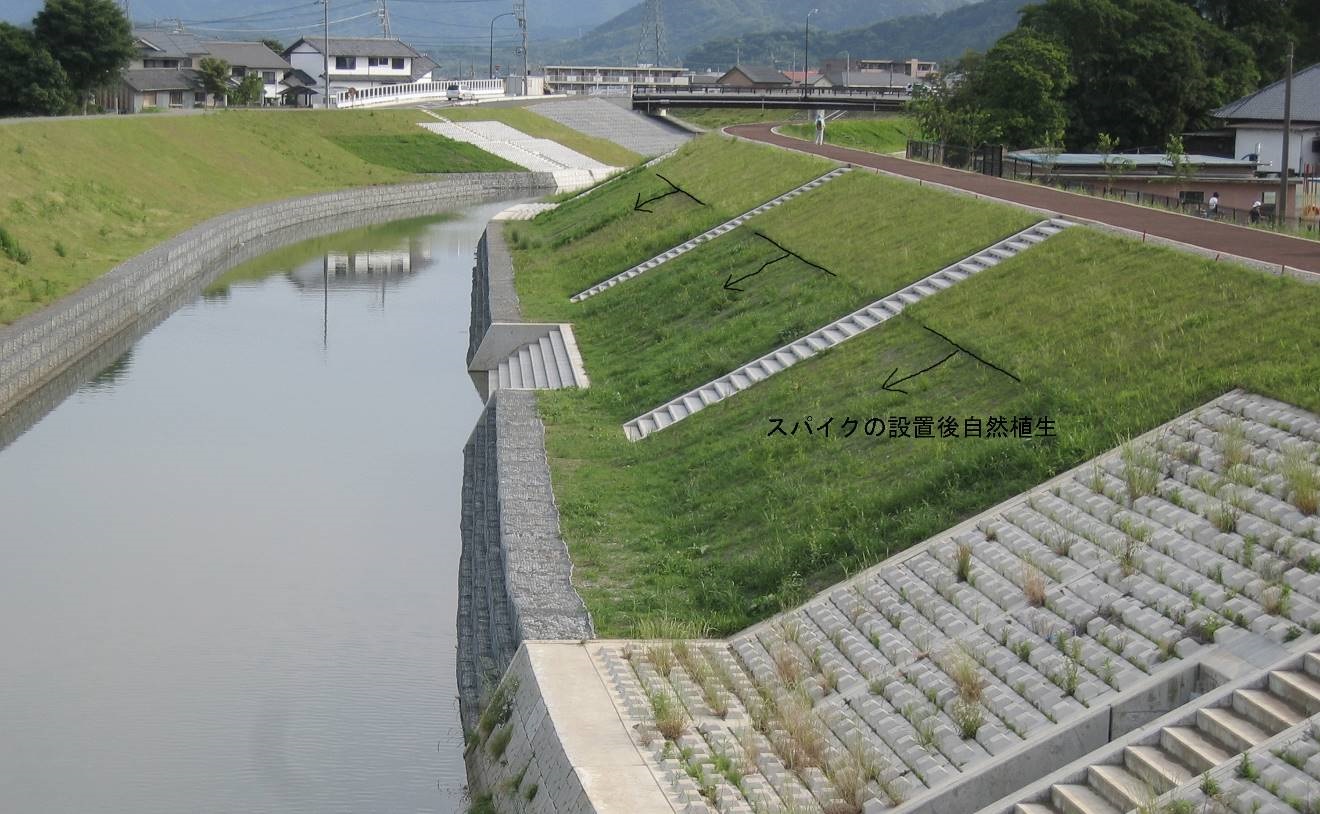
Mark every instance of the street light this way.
pixel 492 40
pixel 806 50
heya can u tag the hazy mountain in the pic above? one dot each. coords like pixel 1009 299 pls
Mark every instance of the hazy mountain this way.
pixel 941 37
pixel 687 23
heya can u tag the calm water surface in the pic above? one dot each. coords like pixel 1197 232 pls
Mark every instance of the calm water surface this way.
pixel 228 565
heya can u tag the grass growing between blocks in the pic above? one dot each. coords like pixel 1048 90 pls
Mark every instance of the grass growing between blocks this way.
pixel 713 521
pixel 537 126
pixel 677 327
pixel 596 236
pixel 79 196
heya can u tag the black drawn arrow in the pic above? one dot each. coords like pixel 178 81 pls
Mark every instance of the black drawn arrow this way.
pixel 890 382
pixel 730 284
pixel 675 189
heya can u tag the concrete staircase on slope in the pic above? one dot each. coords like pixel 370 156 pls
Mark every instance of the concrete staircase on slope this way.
pixel 1218 735
pixel 630 130
pixel 547 363
pixel 723 228
pixel 836 332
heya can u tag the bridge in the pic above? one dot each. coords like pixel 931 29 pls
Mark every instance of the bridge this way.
pixel 877 99
pixel 414 92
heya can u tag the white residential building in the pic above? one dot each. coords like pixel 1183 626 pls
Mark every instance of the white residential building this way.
pixel 1257 123
pixel 359 62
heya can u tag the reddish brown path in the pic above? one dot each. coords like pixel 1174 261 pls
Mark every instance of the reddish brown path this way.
pixel 1219 238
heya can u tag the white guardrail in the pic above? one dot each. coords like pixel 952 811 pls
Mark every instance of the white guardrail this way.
pixel 418 92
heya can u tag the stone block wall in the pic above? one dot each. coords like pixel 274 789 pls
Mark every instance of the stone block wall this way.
pixel 35 349
pixel 494 298
pixel 514 573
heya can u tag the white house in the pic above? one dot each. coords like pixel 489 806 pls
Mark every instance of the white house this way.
pixel 1257 122
pixel 253 57
pixel 359 62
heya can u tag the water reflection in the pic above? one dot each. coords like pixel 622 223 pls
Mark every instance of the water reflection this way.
pixel 229 559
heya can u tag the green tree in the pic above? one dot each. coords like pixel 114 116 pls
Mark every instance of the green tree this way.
pixel 1020 84
pixel 273 44
pixel 1176 155
pixel 34 83
pixel 1265 26
pixel 249 91
pixel 1144 69
pixel 215 77
pixel 91 39
pixel 1115 165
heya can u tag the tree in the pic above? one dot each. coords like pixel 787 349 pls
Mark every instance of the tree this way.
pixel 1265 26
pixel 273 44
pixel 1144 69
pixel 249 91
pixel 1021 84
pixel 34 82
pixel 1176 155
pixel 91 39
pixel 215 77
pixel 1115 166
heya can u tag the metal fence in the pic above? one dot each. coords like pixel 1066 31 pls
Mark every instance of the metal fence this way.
pixel 990 160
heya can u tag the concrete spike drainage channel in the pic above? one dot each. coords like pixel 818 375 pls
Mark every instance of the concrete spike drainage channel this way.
pixel 1131 623
pixel 841 330
pixel 724 228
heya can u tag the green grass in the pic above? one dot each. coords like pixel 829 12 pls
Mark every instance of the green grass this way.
pixel 596 236
pixel 713 118
pixel 83 195
pixel 677 327
pixel 537 126
pixel 712 520
pixel 423 152
pixel 888 135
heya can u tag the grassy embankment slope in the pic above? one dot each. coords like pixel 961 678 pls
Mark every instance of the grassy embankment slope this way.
pixel 714 522
pixel 79 196
pixel 873 135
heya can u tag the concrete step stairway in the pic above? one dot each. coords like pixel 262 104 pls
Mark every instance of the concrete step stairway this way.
pixel 545 364
pixel 723 228
pixel 840 330
pixel 1216 737
pixel 596 117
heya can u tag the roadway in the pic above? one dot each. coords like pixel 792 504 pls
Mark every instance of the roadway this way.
pixel 1212 237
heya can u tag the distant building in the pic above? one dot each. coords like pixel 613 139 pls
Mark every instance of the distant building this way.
pixel 1235 180
pixel 254 57
pixel 754 76
pixel 1257 124
pixel 904 71
pixel 164 75
pixel 798 77
pixel 862 79
pixel 611 79
pixel 359 62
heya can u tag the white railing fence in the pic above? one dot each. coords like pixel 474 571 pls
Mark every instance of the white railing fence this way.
pixel 417 92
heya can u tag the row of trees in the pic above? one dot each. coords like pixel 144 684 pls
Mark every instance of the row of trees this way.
pixel 72 48
pixel 1140 71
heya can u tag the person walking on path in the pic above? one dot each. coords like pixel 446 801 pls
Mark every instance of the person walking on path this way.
pixel 1255 212
pixel 1213 210
pixel 820 127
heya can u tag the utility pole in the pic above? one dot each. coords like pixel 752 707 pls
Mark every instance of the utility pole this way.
pixel 1282 208
pixel 384 14
pixel 806 49
pixel 520 11
pixel 325 49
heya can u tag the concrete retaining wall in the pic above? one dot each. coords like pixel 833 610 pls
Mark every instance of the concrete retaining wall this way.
pixel 514 573
pixel 494 298
pixel 38 347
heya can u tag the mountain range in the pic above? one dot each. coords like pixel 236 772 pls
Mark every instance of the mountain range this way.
pixel 933 36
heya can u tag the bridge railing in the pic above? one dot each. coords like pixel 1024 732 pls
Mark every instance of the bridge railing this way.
pixel 785 93
pixel 417 91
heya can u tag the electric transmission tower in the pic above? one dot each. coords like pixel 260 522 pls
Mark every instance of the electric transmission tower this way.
pixel 652 42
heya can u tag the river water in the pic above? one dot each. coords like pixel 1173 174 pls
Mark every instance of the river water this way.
pixel 228 565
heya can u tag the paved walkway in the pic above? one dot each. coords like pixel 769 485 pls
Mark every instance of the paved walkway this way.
pixel 1218 238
